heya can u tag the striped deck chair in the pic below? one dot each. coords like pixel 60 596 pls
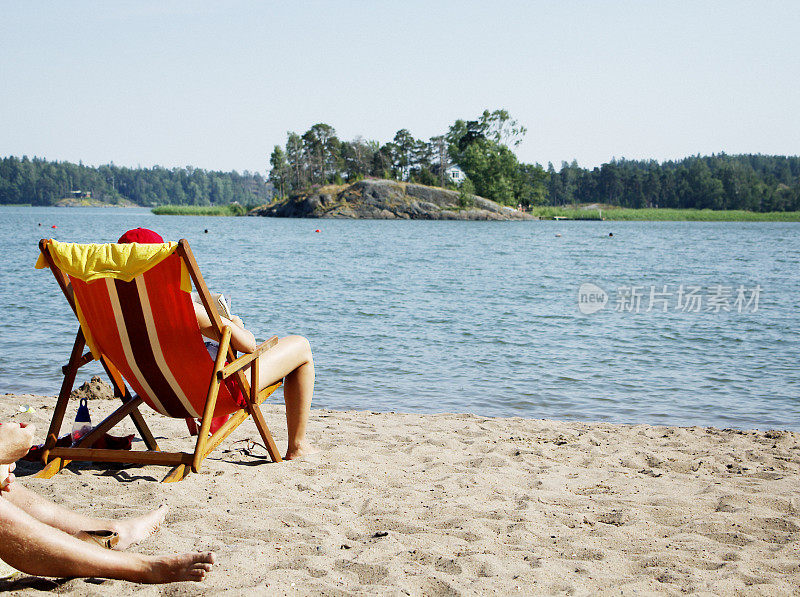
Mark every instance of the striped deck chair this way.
pixel 137 318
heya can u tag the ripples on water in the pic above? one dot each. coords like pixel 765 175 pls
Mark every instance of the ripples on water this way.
pixel 465 316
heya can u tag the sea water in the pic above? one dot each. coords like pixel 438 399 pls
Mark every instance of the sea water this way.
pixel 687 323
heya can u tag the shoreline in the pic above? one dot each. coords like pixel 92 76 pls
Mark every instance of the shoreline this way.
pixel 456 503
pixel 546 213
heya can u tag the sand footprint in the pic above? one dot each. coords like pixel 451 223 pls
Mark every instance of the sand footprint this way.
pixel 368 574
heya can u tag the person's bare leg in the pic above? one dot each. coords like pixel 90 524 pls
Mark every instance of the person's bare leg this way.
pixel 36 548
pixel 291 359
pixel 131 530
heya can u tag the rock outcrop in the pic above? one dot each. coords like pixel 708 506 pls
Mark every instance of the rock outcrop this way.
pixel 388 200
pixel 89 202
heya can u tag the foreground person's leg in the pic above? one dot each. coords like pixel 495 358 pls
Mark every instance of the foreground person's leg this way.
pixel 131 530
pixel 36 548
pixel 291 359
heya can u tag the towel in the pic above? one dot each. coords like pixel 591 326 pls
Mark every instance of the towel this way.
pixel 89 262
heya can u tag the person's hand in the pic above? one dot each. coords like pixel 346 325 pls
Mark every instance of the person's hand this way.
pixel 7 476
pixel 15 441
pixel 235 319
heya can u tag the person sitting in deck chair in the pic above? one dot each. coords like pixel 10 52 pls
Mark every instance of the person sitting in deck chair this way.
pixel 41 538
pixel 290 359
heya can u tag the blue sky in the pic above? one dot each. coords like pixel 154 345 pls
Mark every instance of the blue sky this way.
pixel 217 85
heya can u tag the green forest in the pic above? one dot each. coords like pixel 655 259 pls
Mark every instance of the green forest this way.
pixel 758 183
pixel 40 182
pixel 480 150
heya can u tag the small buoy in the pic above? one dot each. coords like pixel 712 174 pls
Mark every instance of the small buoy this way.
pixel 206 230
pixel 317 230
pixel 53 226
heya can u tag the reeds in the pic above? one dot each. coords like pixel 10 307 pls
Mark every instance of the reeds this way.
pixel 233 209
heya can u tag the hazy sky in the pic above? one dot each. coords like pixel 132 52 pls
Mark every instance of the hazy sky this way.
pixel 217 85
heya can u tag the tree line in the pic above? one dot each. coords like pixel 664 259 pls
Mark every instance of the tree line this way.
pixel 482 149
pixel 755 182
pixel 40 182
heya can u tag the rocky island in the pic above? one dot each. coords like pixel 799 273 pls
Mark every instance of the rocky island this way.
pixel 91 202
pixel 387 200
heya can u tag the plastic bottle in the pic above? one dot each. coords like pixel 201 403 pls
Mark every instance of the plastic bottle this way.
pixel 83 422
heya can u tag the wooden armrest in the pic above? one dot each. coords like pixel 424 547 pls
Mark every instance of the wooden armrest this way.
pixel 246 359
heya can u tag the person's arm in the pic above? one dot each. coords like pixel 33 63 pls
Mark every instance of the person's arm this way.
pixel 241 339
pixel 15 441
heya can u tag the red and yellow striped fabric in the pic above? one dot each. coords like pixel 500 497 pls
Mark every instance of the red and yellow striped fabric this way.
pixel 147 328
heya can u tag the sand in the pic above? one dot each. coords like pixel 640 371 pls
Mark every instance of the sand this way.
pixel 459 504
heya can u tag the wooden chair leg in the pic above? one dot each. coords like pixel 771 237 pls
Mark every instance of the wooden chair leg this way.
pixel 144 431
pixel 71 370
pixel 211 401
pixel 237 418
pixel 52 468
pixel 205 426
pixel 179 473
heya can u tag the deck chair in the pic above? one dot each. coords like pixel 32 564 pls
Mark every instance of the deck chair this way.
pixel 136 316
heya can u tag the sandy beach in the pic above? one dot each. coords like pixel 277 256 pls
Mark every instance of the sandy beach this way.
pixel 456 504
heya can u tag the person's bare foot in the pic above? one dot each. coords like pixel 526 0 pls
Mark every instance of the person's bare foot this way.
pixel 133 530
pixel 300 450
pixel 178 568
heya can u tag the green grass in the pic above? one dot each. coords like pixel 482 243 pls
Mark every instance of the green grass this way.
pixel 548 213
pixel 200 210
pixel 663 214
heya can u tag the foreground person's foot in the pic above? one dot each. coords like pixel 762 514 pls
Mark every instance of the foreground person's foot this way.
pixel 179 568
pixel 133 530
pixel 300 450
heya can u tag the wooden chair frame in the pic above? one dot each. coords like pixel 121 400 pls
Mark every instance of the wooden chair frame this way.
pixel 182 463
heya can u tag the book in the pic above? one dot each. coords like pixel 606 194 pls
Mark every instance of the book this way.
pixel 220 300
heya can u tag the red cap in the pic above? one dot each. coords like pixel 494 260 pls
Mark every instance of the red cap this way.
pixel 140 235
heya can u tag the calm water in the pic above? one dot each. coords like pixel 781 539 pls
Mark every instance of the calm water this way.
pixel 475 317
